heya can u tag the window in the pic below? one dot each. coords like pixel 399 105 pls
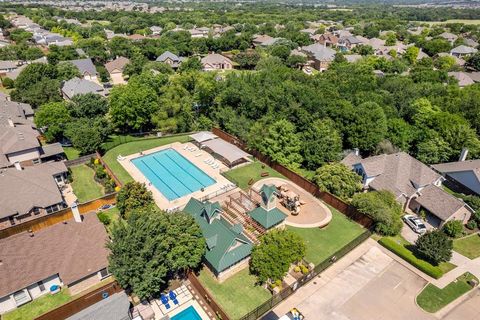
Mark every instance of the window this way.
pixel 41 286
pixel 59 178
pixel 104 273
pixel 21 297
pixel 36 210
pixel 36 161
pixel 52 208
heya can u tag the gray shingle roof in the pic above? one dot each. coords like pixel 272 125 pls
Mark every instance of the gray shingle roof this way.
pixel 85 66
pixel 462 49
pixel 438 202
pixel 459 166
pixel 76 86
pixel 320 52
pixel 168 55
pixel 18 138
pixel 115 307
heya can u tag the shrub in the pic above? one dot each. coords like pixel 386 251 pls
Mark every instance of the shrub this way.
pixel 453 228
pixel 8 83
pixel 435 246
pixel 472 224
pixel 100 173
pixel 297 269
pixel 304 269
pixel 104 218
pixel 132 196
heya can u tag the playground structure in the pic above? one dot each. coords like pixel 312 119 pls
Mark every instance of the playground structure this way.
pixel 290 199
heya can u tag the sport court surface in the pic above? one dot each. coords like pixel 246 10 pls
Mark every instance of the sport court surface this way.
pixel 172 174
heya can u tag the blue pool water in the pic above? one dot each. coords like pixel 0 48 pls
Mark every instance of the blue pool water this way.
pixel 172 174
pixel 188 314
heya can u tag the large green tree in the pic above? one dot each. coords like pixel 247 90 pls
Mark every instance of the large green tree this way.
pixel 133 196
pixel 152 247
pixel 338 179
pixel 435 246
pixel 53 117
pixel 368 127
pixel 321 143
pixel 88 105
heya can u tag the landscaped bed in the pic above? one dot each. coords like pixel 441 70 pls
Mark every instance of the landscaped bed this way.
pixel 402 248
pixel 432 299
pixel 238 294
pixel 83 183
pixel 126 149
pixel 321 243
pixel 468 246
pixel 251 173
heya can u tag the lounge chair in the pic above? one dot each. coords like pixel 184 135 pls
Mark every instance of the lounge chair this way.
pixel 198 154
pixel 164 300
pixel 185 147
pixel 173 297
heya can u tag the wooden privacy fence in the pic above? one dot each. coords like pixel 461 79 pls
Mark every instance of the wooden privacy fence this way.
pixel 81 160
pixel 306 184
pixel 57 217
pixel 207 297
pixel 109 171
pixel 83 302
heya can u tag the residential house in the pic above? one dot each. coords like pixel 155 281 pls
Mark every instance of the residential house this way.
pixel 76 86
pixel 267 214
pixel 264 40
pixel 228 249
pixel 463 51
pixel 4 43
pixel 450 37
pixel 470 42
pixel 199 32
pixel 319 55
pixel 87 69
pixel 110 34
pixel 352 58
pixel 136 37
pixel 327 39
pixel 16 72
pixel 171 59
pixel 415 186
pixel 464 175
pixel 458 61
pixel 215 61
pixel 31 192
pixel 156 30
pixel 348 43
pixel 7 66
pixel 309 31
pixel 70 254
pixel 115 69
pixel 462 77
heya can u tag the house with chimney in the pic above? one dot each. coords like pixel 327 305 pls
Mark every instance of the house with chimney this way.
pixel 462 175
pixel 319 56
pixel 327 39
pixel 69 254
pixel 415 186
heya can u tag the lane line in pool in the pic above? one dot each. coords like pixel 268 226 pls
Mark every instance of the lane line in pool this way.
pixel 182 169
pixel 173 176
pixel 156 175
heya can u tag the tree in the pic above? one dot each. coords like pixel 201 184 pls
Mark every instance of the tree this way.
pixel 391 39
pixel 436 46
pixel 338 179
pixel 132 107
pixel 151 248
pixel 89 105
pixel 296 61
pixel 321 143
pixel 85 135
pixel 368 127
pixel 282 144
pixel 383 208
pixel 133 196
pixel 411 54
pixel 280 51
pixel 277 250
pixel 400 133
pixel 190 64
pixel 67 71
pixel 435 246
pixel 474 61
pixel 53 117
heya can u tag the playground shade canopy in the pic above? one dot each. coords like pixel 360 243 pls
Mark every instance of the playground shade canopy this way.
pixel 227 151
pixel 203 136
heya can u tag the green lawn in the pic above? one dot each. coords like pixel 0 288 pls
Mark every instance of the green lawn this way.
pixel 84 185
pixel 38 306
pixel 114 216
pixel 133 147
pixel 468 246
pixel 71 153
pixel 238 294
pixel 321 243
pixel 241 176
pixel 432 299
pixel 403 249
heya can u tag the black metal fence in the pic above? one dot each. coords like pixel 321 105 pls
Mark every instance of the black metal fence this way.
pixel 286 292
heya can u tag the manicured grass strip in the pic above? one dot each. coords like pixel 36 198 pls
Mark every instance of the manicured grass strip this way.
pixel 238 294
pixel 400 247
pixel 133 147
pixel 241 176
pixel 84 185
pixel 432 299
pixel 468 246
pixel 71 153
pixel 33 309
pixel 321 243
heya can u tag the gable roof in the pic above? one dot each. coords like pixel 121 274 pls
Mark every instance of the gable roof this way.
pixel 269 190
pixel 76 86
pixel 267 219
pixel 117 64
pixel 462 77
pixel 215 58
pixel 459 166
pixel 226 244
pixel 463 49
pixel 18 138
pixel 320 52
pixel 34 186
pixel 440 203
pixel 16 111
pixel 85 66
pixel 168 55
pixel 72 250
pixel 399 173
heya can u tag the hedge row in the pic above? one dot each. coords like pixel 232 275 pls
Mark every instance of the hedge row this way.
pixel 400 250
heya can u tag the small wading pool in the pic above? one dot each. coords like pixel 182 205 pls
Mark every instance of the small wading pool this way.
pixel 172 174
pixel 188 314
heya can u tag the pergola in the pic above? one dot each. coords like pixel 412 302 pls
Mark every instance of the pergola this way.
pixel 231 155
pixel 203 136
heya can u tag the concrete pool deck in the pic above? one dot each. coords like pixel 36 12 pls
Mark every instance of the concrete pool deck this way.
pixel 196 157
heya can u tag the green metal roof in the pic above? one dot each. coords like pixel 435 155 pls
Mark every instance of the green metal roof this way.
pixel 226 245
pixel 268 190
pixel 267 219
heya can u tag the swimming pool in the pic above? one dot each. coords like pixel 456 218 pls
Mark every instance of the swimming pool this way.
pixel 172 174
pixel 188 314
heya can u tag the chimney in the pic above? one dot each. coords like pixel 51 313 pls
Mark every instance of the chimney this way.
pixel 463 155
pixel 18 166
pixel 76 213
pixel 10 123
pixel 356 151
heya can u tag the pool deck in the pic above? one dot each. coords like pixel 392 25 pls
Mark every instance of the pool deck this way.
pixel 196 157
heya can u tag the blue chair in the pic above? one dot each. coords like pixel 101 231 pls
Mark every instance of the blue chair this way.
pixel 173 297
pixel 164 300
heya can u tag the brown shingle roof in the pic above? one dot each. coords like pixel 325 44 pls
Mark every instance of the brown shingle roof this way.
pixel 438 202
pixel 18 138
pixel 469 165
pixel 73 250
pixel 117 64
